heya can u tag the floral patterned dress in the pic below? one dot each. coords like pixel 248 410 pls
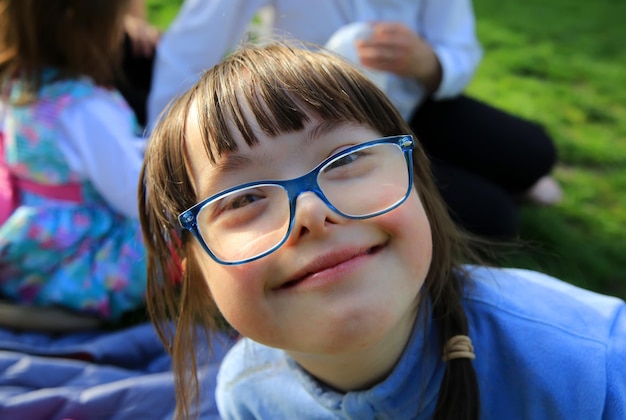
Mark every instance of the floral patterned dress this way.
pixel 78 254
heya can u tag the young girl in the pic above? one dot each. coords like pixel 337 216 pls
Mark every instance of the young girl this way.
pixel 311 223
pixel 73 153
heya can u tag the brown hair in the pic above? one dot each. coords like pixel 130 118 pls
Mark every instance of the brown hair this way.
pixel 283 85
pixel 74 37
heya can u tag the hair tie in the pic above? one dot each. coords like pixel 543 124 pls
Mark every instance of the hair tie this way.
pixel 458 347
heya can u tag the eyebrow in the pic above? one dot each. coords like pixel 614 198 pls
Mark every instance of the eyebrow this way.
pixel 323 128
pixel 237 161
pixel 233 163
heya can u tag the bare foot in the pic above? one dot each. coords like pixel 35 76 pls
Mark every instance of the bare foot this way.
pixel 545 192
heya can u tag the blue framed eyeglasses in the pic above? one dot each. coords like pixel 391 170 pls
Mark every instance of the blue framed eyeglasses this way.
pixel 249 221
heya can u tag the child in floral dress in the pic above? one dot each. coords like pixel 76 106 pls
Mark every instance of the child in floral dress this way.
pixel 73 151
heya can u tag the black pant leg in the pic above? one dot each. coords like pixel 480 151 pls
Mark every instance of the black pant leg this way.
pixel 503 148
pixel 482 158
pixel 477 205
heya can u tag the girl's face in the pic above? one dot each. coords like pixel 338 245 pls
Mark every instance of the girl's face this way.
pixel 357 280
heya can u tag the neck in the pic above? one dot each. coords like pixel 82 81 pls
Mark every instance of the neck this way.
pixel 361 368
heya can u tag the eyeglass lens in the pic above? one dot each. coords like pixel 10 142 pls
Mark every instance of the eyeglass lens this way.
pixel 248 222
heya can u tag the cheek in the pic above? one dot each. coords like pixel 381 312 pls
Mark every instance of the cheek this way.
pixel 236 290
pixel 409 226
pixel 420 236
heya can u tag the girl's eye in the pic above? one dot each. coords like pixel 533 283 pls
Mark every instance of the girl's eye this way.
pixel 245 205
pixel 239 201
pixel 343 161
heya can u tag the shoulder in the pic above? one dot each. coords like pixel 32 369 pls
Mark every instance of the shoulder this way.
pixel 68 89
pixel 538 299
pixel 83 105
pixel 545 345
pixel 80 97
pixel 71 91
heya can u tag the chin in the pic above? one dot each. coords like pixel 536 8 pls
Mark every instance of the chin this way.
pixel 351 331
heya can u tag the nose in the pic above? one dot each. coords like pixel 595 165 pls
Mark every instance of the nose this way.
pixel 313 217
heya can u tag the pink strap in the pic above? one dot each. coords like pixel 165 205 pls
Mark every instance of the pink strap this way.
pixel 7 188
pixel 11 185
pixel 67 192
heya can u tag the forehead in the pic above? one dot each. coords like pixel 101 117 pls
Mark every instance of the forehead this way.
pixel 209 147
pixel 231 140
pixel 244 162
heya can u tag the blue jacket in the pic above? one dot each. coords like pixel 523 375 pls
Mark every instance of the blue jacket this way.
pixel 544 350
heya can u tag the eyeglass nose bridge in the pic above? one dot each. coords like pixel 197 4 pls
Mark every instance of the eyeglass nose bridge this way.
pixel 306 183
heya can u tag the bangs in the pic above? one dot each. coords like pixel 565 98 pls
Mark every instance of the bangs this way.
pixel 281 88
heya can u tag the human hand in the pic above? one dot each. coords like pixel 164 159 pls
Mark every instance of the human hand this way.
pixel 143 36
pixel 394 47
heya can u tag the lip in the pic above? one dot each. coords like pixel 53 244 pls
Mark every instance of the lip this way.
pixel 330 268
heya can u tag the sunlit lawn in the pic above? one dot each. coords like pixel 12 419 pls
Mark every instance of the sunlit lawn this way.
pixel 560 63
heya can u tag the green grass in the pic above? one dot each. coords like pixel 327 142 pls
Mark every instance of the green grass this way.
pixel 161 12
pixel 560 63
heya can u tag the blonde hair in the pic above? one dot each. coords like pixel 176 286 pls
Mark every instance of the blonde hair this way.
pixel 283 85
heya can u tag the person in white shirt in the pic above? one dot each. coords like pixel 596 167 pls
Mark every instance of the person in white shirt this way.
pixel 423 54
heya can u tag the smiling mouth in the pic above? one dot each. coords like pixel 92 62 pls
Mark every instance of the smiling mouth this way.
pixel 291 283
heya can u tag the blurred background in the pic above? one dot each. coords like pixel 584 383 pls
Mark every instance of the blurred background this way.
pixel 560 63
